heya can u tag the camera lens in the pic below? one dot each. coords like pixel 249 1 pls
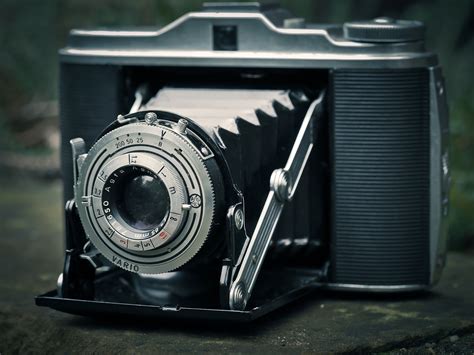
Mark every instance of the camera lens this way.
pixel 151 194
pixel 144 202
pixel 137 199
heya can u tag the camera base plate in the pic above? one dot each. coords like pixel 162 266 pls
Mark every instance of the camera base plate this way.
pixel 292 284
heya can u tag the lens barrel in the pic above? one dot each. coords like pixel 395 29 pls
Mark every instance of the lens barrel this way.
pixel 139 185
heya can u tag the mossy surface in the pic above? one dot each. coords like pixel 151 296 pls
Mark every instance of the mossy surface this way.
pixel 31 255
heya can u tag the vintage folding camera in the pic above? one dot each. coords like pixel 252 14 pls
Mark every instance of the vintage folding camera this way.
pixel 239 158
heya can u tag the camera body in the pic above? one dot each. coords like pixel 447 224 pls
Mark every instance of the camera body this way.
pixel 235 92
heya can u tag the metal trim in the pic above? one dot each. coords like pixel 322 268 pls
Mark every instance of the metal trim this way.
pixel 439 174
pixel 375 288
pixel 188 41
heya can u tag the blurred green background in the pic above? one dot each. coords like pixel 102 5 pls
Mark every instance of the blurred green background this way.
pixel 31 32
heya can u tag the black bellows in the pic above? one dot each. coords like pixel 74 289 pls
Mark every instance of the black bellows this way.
pixel 380 154
pixel 256 128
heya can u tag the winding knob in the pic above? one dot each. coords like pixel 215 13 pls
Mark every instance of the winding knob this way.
pixel 384 30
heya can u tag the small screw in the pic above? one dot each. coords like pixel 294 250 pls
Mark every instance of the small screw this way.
pixel 440 88
pixel 204 151
pixel 195 200
pixel 239 296
pixel 150 117
pixel 281 184
pixel 182 124
pixel 239 219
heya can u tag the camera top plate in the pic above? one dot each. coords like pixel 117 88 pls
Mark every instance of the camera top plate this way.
pixel 246 35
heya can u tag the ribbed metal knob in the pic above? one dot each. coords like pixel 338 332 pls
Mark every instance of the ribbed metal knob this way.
pixel 384 30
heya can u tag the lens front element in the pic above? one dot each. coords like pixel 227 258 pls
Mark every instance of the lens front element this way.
pixel 137 198
pixel 143 201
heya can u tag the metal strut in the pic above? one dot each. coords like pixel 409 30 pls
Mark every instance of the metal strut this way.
pixel 283 184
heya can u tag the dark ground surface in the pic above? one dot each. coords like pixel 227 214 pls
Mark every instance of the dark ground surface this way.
pixel 31 255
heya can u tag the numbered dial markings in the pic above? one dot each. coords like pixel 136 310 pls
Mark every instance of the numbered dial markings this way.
pixel 165 170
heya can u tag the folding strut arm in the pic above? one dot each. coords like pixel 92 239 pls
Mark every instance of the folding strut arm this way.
pixel 283 184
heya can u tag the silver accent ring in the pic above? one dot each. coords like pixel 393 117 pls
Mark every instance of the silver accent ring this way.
pixel 154 146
